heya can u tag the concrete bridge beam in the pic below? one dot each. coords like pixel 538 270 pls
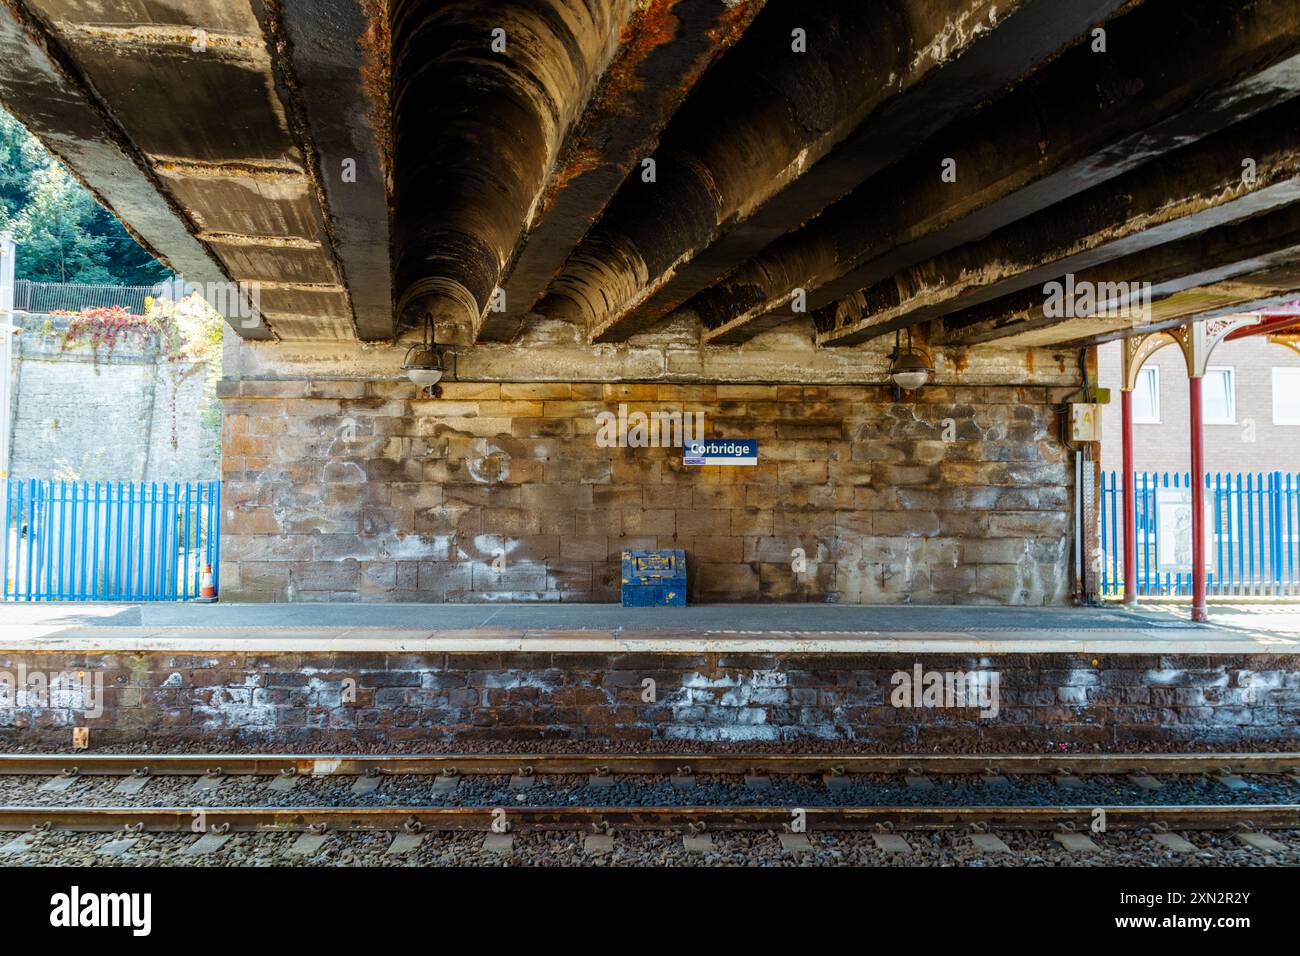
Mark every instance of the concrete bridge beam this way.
pixel 203 101
pixel 778 132
pixel 666 49
pixel 44 89
pixel 1172 73
pixel 1267 241
pixel 337 52
pixel 484 97
pixel 1187 191
pixel 1263 289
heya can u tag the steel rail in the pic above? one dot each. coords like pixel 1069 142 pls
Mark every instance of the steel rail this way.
pixel 418 819
pixel 187 764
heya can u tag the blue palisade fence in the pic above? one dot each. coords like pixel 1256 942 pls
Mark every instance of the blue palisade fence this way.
pixel 1252 531
pixel 107 541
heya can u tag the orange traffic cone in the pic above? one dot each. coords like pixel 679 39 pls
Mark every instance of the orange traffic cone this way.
pixel 207 587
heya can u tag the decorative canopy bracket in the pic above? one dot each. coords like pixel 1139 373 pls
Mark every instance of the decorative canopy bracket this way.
pixel 1287 340
pixel 1137 350
pixel 1198 340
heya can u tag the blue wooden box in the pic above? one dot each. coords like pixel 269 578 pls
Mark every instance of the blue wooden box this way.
pixel 654 578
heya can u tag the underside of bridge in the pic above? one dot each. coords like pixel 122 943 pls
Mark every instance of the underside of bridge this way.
pixel 728 208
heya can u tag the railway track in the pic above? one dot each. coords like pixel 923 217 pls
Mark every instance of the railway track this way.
pixel 739 764
pixel 267 815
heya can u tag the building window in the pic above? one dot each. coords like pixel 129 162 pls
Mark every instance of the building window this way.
pixel 1220 391
pixel 1146 396
pixel 1286 396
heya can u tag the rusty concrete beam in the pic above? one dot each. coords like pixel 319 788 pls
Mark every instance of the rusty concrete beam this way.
pixel 1253 292
pixel 1247 169
pixel 1267 241
pixel 1173 71
pixel 338 54
pixel 484 96
pixel 210 112
pixel 48 93
pixel 773 135
pixel 665 50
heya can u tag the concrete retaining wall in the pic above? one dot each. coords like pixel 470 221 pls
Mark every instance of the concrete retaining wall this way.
pixel 129 416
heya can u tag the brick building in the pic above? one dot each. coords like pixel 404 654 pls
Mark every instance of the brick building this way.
pixel 1252 409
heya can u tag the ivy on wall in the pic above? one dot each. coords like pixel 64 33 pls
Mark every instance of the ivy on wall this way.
pixel 187 334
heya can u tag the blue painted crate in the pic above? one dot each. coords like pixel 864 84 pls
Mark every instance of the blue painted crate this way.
pixel 654 578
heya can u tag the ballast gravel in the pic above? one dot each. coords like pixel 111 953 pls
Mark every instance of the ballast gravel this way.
pixel 244 742
pixel 639 848
pixel 637 790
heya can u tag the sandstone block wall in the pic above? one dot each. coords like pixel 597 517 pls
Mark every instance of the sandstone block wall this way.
pixel 359 490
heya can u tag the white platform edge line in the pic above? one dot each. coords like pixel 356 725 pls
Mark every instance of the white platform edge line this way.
pixel 911 645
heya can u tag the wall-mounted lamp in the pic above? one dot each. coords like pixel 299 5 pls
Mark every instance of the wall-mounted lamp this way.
pixel 908 367
pixel 423 364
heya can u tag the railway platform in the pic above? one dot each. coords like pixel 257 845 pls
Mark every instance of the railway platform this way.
pixel 563 628
pixel 464 677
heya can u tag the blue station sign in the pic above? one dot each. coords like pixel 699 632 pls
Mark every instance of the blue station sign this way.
pixel 721 451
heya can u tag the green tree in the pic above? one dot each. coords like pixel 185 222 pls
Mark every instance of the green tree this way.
pixel 54 235
pixel 64 235
pixel 20 156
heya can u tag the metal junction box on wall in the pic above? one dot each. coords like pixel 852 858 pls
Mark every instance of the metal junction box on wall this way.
pixel 654 578
pixel 1085 423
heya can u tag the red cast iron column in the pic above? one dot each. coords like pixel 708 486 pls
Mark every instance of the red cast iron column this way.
pixel 1199 611
pixel 1130 502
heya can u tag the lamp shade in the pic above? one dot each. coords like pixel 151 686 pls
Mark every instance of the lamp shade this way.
pixel 910 370
pixel 423 366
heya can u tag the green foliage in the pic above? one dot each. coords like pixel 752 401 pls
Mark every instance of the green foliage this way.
pixel 64 235
pixel 185 331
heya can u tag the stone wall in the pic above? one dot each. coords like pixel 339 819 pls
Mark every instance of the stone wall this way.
pixel 128 416
pixel 353 490
pixel 349 702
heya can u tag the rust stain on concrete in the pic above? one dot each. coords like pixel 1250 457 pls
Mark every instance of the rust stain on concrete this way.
pixel 652 28
pixel 580 158
pixel 259 171
pixel 376 45
pixel 237 45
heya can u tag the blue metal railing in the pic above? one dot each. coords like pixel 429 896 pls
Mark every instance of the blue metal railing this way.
pixel 108 541
pixel 1252 531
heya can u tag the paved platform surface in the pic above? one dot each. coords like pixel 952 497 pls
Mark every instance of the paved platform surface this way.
pixel 429 617
pixel 795 628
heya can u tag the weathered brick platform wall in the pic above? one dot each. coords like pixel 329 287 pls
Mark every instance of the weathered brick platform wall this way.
pixel 425 701
pixel 357 490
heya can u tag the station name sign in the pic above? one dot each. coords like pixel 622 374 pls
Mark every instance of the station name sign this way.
pixel 721 451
